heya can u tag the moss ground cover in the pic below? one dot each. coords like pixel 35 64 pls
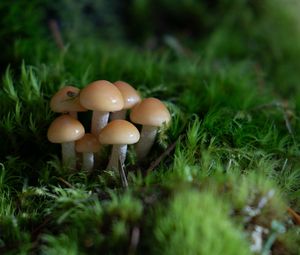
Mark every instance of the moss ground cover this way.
pixel 218 181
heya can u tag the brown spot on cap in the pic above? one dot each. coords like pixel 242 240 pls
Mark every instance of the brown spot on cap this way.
pixel 88 143
pixel 67 100
pixel 150 112
pixel 130 95
pixel 101 96
pixel 65 129
pixel 119 132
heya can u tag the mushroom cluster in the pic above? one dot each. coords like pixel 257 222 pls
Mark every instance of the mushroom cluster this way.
pixel 109 103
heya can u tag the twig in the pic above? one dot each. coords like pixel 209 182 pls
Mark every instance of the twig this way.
pixel 135 237
pixel 155 163
pixel 69 185
pixel 56 34
pixel 284 109
pixel 287 122
pixel 267 105
pixel 295 216
pixel 41 226
pixel 36 233
pixel 122 175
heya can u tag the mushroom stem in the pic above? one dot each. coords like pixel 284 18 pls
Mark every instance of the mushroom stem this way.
pixel 99 121
pixel 146 141
pixel 88 161
pixel 73 114
pixel 119 115
pixel 118 153
pixel 68 154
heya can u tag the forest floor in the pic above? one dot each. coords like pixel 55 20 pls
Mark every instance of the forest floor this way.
pixel 222 178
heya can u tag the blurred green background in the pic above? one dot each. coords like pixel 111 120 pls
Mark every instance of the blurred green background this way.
pixel 266 32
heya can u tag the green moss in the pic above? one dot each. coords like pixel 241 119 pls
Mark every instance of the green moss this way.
pixel 198 223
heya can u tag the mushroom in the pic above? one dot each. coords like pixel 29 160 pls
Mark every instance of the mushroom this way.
pixel 66 100
pixel 131 98
pixel 119 133
pixel 65 130
pixel 151 113
pixel 87 145
pixel 102 97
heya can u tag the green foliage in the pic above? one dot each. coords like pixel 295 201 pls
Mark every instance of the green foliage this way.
pixel 11 227
pixel 61 244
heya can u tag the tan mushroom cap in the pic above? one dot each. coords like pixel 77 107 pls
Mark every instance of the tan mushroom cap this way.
pixel 119 132
pixel 65 129
pixel 130 95
pixel 150 112
pixel 101 96
pixel 67 100
pixel 88 143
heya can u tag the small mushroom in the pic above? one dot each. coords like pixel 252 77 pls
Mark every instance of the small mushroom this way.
pixel 119 133
pixel 131 98
pixel 66 100
pixel 151 113
pixel 87 145
pixel 66 130
pixel 101 97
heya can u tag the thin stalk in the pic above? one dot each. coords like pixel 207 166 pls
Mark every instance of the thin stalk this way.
pixel 99 121
pixel 56 34
pixel 68 154
pixel 119 115
pixel 146 141
pixel 123 176
pixel 88 161
pixel 118 153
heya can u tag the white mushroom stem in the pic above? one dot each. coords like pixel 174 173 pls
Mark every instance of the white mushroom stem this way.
pixel 146 141
pixel 99 121
pixel 88 161
pixel 74 115
pixel 118 153
pixel 119 115
pixel 68 154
